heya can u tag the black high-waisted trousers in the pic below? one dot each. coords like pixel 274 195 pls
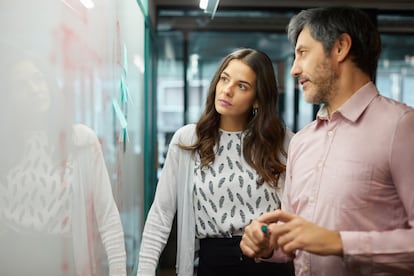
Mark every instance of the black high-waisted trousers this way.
pixel 223 256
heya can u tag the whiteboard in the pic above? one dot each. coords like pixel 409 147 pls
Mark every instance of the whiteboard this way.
pixel 90 56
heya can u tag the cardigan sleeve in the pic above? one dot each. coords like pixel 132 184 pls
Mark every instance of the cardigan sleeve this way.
pixel 161 214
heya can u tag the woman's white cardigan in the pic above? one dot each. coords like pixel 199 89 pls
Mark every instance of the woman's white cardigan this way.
pixel 173 195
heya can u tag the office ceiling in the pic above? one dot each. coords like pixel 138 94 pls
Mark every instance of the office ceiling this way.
pixel 224 20
pixel 402 5
pixel 249 18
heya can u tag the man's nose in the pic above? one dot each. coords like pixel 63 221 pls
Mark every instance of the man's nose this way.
pixel 295 69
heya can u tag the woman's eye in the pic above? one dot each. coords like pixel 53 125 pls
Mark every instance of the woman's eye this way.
pixel 242 87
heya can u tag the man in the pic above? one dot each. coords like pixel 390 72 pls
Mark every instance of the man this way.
pixel 348 203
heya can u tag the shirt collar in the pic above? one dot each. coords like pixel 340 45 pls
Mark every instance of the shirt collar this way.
pixel 353 108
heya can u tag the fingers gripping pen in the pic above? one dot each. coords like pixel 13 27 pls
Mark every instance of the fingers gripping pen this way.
pixel 265 231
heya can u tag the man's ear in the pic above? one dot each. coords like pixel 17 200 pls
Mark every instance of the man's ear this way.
pixel 342 47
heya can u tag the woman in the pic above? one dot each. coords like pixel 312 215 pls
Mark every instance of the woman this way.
pixel 221 173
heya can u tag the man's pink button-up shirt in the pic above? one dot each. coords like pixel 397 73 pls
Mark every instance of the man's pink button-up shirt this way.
pixel 354 173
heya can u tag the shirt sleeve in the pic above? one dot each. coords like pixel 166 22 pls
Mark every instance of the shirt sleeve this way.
pixel 392 250
pixel 161 215
pixel 286 206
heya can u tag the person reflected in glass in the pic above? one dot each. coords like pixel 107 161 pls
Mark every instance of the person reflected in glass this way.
pixel 221 173
pixel 57 210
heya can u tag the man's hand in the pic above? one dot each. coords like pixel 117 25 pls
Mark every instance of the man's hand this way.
pixel 290 233
pixel 295 233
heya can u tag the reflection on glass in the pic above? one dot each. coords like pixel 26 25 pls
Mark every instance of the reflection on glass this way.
pixel 57 212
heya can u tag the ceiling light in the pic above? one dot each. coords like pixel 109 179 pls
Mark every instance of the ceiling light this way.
pixel 203 4
pixel 209 6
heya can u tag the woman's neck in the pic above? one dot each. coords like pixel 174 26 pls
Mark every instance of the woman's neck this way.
pixel 227 124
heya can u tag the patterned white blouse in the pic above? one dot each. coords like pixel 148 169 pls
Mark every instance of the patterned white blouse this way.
pixel 226 194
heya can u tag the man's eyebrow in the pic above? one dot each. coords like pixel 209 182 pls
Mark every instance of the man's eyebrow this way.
pixel 299 47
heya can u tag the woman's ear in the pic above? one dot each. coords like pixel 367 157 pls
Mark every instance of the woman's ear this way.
pixel 342 47
pixel 256 104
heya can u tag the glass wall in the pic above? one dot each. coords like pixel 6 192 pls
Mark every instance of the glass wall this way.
pixel 72 115
pixel 170 87
pixel 395 76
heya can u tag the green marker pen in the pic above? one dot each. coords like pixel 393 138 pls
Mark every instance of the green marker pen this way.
pixel 264 229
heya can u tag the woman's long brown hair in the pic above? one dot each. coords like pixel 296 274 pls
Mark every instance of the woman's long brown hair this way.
pixel 264 133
